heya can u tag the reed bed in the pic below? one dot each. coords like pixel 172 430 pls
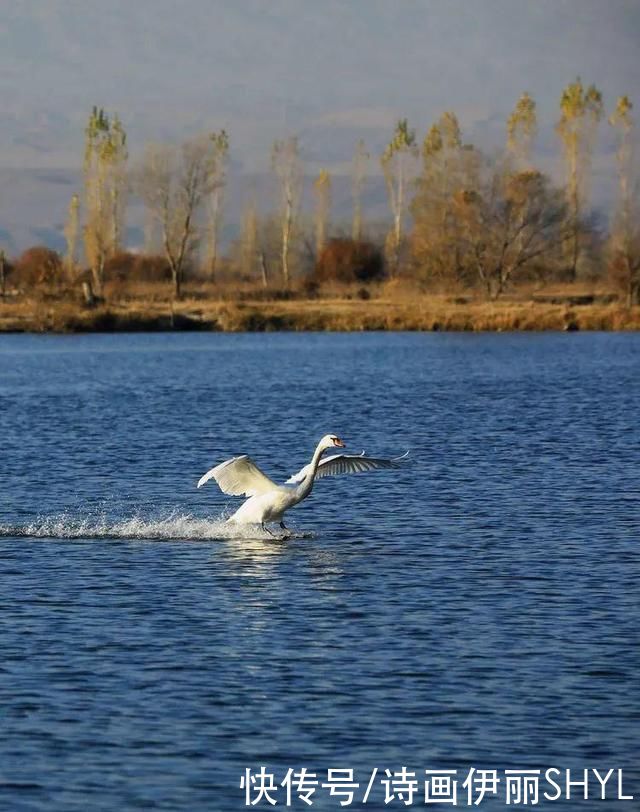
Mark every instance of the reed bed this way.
pixel 420 313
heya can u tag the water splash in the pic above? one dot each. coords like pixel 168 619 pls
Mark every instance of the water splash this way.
pixel 174 526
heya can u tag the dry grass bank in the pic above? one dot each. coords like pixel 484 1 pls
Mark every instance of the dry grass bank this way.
pixel 422 312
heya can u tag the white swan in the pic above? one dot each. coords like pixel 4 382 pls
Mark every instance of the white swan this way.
pixel 267 501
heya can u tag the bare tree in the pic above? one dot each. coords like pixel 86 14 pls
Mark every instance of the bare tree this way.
pixel 150 233
pixel 358 177
pixel 219 158
pixel 396 166
pixel 174 182
pixel 249 239
pixel 510 223
pixel 287 167
pixel 322 189
pixel 71 233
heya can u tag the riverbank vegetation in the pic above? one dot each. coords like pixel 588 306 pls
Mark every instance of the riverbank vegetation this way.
pixel 472 241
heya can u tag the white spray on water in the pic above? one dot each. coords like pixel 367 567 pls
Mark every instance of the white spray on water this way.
pixel 173 526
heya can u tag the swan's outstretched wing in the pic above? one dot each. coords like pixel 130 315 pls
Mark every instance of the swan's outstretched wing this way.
pixel 347 464
pixel 239 476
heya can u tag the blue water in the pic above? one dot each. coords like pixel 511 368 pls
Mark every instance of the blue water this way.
pixel 477 609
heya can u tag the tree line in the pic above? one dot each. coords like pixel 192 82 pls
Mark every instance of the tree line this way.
pixel 459 218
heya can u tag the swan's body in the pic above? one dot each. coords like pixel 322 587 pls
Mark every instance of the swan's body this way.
pixel 267 501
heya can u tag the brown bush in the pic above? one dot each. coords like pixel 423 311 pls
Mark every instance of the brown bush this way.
pixel 126 267
pixel 345 260
pixel 38 265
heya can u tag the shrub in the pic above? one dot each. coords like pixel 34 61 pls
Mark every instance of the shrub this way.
pixel 345 260
pixel 38 265
pixel 126 267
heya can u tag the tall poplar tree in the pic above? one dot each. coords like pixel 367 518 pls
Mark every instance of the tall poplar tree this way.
pixel 521 129
pixel 105 185
pixel 581 110
pixel 219 160
pixel 396 162
pixel 625 231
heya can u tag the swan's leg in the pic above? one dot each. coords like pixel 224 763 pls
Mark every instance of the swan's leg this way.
pixel 287 533
pixel 264 527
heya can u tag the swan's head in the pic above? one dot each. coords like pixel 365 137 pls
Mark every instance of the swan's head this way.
pixel 331 441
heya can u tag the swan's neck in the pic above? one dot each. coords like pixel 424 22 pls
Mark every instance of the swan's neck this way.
pixel 307 483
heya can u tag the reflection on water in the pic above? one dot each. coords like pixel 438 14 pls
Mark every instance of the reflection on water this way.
pixel 476 608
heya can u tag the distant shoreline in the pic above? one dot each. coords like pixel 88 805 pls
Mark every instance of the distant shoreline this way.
pixel 423 313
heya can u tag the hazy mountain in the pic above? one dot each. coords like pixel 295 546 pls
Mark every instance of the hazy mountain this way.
pixel 330 70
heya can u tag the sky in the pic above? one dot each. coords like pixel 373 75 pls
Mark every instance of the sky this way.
pixel 330 71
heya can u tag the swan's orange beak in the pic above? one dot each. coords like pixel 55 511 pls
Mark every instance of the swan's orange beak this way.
pixel 338 442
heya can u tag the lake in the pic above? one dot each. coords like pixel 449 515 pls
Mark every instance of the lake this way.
pixel 476 609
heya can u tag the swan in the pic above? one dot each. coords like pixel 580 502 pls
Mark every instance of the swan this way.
pixel 267 501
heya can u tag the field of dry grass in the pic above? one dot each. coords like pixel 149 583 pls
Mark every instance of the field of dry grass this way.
pixel 387 309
